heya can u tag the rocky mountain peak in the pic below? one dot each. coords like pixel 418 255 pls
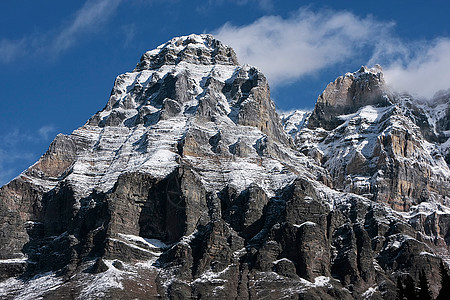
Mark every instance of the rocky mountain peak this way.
pixel 376 70
pixel 347 94
pixel 187 98
pixel 354 89
pixel 201 49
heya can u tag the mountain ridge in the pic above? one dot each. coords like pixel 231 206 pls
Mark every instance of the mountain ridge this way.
pixel 189 184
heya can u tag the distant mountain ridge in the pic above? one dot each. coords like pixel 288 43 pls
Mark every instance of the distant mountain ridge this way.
pixel 188 184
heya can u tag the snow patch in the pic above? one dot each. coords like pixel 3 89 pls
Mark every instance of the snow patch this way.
pixel 427 253
pixel 34 288
pixel 319 281
pixel 294 121
pixel 152 243
pixel 369 293
pixel 281 259
pixel 13 261
pixel 307 223
pixel 212 277
pixel 367 113
pixel 102 282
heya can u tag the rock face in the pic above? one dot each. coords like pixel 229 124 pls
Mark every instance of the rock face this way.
pixel 373 142
pixel 346 94
pixel 188 185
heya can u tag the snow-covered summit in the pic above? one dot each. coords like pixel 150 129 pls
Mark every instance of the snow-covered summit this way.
pixel 376 71
pixel 187 99
pixel 201 49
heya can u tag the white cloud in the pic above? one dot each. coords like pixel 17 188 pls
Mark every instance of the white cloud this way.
pixel 14 137
pixel 423 70
pixel 5 173
pixel 14 150
pixel 46 131
pixel 90 17
pixel 8 160
pixel 129 33
pixel 287 49
pixel 265 5
pixel 9 50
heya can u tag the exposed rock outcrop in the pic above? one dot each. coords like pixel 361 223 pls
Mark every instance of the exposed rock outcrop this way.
pixel 346 94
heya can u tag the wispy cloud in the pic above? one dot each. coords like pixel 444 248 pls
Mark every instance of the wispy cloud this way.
pixel 91 16
pixel 14 153
pixel 129 32
pixel 264 5
pixel 9 161
pixel 5 173
pixel 46 131
pixel 14 137
pixel 10 49
pixel 287 49
pixel 423 69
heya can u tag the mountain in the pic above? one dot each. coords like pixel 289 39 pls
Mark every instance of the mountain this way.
pixel 373 142
pixel 188 184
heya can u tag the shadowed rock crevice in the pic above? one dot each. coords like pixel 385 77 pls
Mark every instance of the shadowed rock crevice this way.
pixel 64 235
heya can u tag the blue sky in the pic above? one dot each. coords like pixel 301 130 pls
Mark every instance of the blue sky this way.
pixel 59 59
